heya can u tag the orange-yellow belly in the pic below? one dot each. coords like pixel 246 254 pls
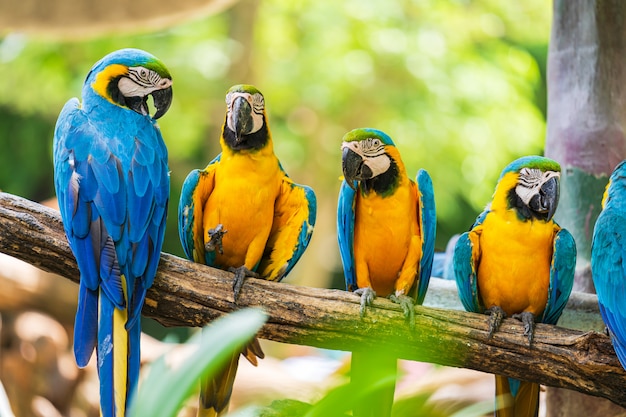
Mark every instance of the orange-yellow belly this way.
pixel 383 231
pixel 242 201
pixel 514 268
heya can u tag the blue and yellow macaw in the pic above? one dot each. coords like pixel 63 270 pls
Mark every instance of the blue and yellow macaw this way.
pixel 608 260
pixel 516 261
pixel 242 213
pixel 112 183
pixel 386 227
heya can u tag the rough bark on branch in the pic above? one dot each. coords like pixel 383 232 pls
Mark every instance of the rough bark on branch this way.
pixel 188 294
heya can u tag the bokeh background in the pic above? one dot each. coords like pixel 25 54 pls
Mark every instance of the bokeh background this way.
pixel 459 85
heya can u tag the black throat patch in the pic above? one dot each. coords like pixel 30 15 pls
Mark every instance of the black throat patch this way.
pixel 383 184
pixel 523 211
pixel 253 141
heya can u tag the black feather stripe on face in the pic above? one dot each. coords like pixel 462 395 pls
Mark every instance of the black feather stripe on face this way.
pixel 383 184
pixel 253 141
pixel 114 92
pixel 523 211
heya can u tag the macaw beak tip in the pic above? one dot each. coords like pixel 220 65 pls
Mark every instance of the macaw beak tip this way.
pixel 162 101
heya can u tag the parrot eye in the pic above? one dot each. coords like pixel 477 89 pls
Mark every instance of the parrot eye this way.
pixel 143 76
pixel 372 147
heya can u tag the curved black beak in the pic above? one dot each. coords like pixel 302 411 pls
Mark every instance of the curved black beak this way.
pixel 353 167
pixel 242 117
pixel 547 199
pixel 162 101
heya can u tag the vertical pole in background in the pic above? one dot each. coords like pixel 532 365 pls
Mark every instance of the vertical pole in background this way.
pixel 586 134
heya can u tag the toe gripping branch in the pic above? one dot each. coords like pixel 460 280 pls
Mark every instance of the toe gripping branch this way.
pixel 496 315
pixel 367 295
pixel 215 239
pixel 241 273
pixel 408 307
pixel 528 319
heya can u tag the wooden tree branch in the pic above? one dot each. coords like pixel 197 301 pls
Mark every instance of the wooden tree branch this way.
pixel 187 294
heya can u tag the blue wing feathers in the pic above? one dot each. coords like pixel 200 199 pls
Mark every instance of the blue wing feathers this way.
pixel 110 275
pixel 86 325
pixel 428 221
pixel 185 212
pixel 345 233
pixel 311 204
pixel 608 265
pixel 306 229
pixel 561 276
pixel 465 274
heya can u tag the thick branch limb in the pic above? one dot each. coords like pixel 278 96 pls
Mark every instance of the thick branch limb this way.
pixel 187 294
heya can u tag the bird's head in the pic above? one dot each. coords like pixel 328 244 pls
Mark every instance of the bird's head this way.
pixel 531 187
pixel 245 126
pixel 127 77
pixel 370 158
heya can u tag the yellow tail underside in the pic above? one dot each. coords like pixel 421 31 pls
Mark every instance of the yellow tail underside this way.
pixel 120 359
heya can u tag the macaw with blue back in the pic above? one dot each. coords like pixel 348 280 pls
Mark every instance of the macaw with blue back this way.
pixel 608 260
pixel 516 261
pixel 242 213
pixel 112 182
pixel 386 226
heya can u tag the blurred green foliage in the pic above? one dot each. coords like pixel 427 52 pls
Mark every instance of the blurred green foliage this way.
pixel 459 85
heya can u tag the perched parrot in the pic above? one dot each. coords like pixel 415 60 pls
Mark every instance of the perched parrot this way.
pixel 516 261
pixel 386 231
pixel 112 183
pixel 242 213
pixel 608 260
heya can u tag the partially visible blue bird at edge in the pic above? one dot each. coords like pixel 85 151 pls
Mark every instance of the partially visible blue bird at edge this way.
pixel 608 260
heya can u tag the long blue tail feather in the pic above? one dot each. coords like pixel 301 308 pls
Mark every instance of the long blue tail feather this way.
pixel 86 325
pixel 105 357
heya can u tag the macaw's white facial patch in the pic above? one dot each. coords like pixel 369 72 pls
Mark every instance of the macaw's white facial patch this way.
pixel 257 105
pixel 378 164
pixel 141 82
pixel 530 181
pixel 372 150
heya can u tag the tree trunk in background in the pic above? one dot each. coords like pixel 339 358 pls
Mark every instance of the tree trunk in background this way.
pixel 586 134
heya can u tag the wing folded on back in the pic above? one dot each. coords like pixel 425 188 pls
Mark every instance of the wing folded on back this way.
pixel 561 276
pixel 427 218
pixel 465 263
pixel 196 190
pixel 345 233
pixel 295 212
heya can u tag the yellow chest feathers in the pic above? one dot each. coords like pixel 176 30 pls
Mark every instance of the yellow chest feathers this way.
pixel 514 265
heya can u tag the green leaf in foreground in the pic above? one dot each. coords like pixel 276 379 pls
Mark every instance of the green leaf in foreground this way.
pixel 164 390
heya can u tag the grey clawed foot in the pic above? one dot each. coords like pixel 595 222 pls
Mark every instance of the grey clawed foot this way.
pixel 367 298
pixel 528 319
pixel 215 239
pixel 496 315
pixel 241 273
pixel 408 307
